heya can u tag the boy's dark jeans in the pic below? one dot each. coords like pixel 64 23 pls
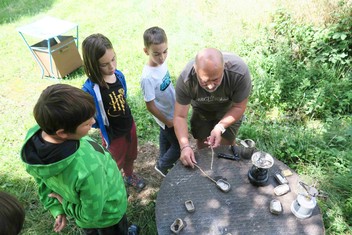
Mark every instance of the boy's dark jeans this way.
pixel 169 148
pixel 119 228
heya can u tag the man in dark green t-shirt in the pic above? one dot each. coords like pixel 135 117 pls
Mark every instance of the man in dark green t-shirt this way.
pixel 217 86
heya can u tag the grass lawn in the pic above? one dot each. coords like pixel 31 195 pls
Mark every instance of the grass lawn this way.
pixel 190 26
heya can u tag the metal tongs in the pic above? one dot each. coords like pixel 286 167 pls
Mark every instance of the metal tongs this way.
pixel 312 191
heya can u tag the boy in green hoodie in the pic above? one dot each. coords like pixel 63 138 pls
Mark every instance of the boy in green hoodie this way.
pixel 76 176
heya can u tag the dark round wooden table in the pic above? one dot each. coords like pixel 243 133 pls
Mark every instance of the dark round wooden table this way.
pixel 242 210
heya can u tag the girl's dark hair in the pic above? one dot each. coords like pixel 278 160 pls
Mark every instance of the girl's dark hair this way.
pixel 62 106
pixel 154 35
pixel 11 215
pixel 93 48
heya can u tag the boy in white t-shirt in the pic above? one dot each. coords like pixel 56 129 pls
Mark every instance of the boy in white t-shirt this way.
pixel 159 96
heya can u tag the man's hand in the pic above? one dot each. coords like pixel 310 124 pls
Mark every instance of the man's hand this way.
pixel 214 139
pixel 60 223
pixel 187 156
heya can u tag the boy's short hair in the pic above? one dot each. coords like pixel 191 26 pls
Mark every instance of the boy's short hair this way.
pixel 62 106
pixel 11 214
pixel 154 35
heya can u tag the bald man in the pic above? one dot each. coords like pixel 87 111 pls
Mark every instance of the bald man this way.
pixel 217 86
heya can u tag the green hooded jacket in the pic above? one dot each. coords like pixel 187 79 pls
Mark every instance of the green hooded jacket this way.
pixel 89 182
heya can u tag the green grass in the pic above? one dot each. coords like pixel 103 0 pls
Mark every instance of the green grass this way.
pixel 317 147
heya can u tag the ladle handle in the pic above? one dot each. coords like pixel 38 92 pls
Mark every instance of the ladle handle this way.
pixel 204 173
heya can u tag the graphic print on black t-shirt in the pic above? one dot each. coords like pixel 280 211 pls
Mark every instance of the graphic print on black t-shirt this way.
pixel 116 109
pixel 116 104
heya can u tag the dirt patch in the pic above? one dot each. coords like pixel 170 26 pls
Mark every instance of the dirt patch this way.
pixel 148 154
pixel 144 166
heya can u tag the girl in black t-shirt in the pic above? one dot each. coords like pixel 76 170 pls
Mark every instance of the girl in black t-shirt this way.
pixel 114 119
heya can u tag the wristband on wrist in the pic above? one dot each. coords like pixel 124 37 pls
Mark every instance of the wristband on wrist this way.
pixel 186 146
pixel 220 127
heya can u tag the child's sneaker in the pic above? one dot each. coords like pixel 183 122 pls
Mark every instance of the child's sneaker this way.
pixel 135 181
pixel 133 230
pixel 160 171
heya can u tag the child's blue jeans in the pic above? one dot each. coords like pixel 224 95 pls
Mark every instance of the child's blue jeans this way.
pixel 169 148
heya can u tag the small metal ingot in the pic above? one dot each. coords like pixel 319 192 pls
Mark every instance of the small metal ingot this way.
pixel 223 185
pixel 177 226
pixel 282 189
pixel 275 207
pixel 286 172
pixel 189 206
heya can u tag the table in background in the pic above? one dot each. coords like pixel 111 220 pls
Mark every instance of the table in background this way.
pixel 64 48
pixel 242 210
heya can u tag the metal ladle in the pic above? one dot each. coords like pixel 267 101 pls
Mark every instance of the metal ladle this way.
pixel 223 185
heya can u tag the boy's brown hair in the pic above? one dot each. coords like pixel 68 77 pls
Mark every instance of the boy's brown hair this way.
pixel 154 35
pixel 11 214
pixel 62 106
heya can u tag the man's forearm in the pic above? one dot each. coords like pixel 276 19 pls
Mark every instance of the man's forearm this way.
pixel 234 114
pixel 181 131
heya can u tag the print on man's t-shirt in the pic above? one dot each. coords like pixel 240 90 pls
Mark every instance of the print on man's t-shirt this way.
pixel 117 103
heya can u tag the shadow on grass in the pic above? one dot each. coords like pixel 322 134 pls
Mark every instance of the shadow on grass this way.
pixel 143 216
pixel 37 219
pixel 12 10
pixel 75 74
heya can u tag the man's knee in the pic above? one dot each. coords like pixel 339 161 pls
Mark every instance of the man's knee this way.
pixel 227 141
pixel 201 144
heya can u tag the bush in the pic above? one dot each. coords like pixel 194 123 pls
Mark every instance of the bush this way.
pixel 306 71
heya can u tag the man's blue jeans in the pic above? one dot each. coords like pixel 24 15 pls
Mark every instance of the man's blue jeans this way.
pixel 169 148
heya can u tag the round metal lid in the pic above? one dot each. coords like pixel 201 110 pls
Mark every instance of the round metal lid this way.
pixel 262 160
